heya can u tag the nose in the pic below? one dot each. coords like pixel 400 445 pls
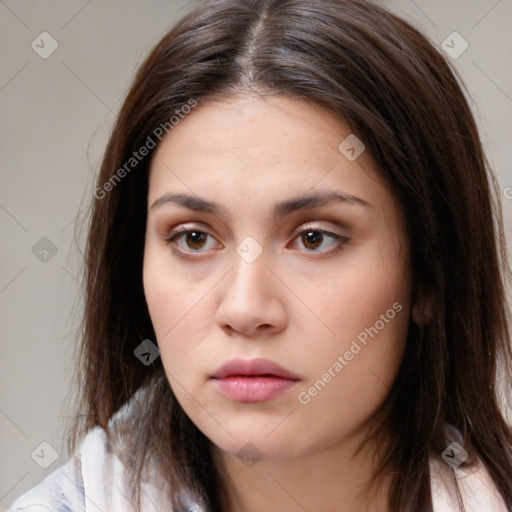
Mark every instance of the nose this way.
pixel 252 300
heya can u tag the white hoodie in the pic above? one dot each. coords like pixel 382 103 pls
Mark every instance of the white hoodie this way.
pixel 92 481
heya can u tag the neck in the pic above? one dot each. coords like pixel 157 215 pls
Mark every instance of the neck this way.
pixel 335 478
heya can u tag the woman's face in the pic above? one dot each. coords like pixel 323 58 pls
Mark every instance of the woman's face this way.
pixel 295 257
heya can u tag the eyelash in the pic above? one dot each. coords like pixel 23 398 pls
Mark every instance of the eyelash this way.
pixel 176 234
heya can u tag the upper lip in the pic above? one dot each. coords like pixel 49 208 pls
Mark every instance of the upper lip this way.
pixel 252 367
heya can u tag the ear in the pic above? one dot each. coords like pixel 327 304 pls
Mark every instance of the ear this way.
pixel 423 309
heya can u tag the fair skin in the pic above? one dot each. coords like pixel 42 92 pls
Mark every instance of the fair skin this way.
pixel 299 303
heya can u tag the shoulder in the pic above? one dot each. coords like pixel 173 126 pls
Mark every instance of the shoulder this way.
pixel 94 478
pixel 60 491
pixel 477 489
pixel 90 480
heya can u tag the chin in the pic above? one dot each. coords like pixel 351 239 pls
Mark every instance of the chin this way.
pixel 259 443
pixel 256 448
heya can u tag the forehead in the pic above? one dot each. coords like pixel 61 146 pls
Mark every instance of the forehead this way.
pixel 280 128
pixel 271 147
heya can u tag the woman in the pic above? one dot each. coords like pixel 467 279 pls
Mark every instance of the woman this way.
pixel 295 278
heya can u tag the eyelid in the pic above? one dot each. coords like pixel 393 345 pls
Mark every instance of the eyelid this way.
pixel 340 239
pixel 315 227
pixel 184 229
pixel 175 233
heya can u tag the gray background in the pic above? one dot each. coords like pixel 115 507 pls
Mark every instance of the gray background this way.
pixel 56 114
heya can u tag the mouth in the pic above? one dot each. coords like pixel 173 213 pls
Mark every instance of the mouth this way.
pixel 255 380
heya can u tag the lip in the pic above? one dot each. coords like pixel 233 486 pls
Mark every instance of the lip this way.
pixel 254 380
pixel 251 367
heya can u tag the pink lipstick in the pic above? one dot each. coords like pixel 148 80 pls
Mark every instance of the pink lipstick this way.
pixel 255 380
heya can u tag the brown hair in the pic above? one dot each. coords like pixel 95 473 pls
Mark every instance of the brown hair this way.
pixel 400 96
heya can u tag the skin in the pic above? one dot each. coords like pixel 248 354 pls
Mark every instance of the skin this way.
pixel 297 303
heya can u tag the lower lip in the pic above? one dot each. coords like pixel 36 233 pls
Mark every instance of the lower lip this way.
pixel 253 389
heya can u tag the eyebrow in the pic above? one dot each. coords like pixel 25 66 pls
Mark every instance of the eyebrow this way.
pixel 281 209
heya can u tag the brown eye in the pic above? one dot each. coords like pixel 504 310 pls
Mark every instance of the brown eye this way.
pixel 320 241
pixel 312 239
pixel 190 240
pixel 195 239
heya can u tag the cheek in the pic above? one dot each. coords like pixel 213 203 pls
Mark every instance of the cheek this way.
pixel 360 292
pixel 368 308
pixel 177 312
pixel 351 376
pixel 180 323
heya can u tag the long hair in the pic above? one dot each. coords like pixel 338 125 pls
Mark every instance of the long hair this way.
pixel 399 95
